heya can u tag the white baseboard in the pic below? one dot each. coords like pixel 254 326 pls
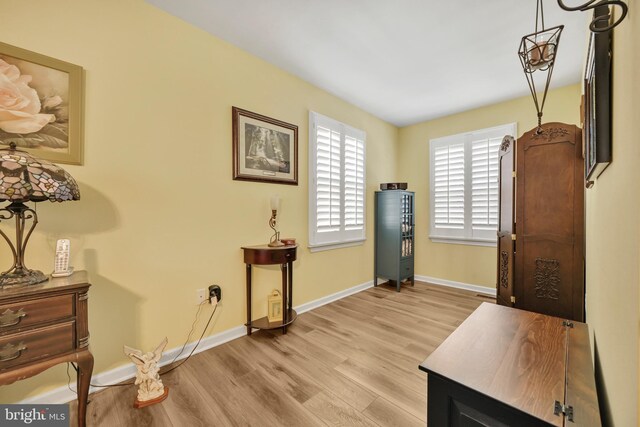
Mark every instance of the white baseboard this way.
pixel 333 297
pixel 127 371
pixel 458 285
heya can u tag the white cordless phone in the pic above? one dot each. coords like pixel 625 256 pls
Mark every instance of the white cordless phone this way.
pixel 61 267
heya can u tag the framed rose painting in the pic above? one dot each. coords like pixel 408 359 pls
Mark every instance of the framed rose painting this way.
pixel 41 105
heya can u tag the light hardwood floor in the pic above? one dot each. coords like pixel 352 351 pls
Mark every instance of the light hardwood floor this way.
pixel 353 362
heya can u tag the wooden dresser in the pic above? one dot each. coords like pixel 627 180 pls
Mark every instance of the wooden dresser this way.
pixel 508 367
pixel 43 325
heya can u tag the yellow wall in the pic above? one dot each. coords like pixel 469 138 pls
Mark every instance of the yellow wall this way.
pixel 463 263
pixel 160 215
pixel 613 240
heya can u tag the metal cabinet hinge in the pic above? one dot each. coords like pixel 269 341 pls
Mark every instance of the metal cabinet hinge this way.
pixel 566 410
pixel 567 323
pixel 513 237
pixel 513 299
pixel 513 173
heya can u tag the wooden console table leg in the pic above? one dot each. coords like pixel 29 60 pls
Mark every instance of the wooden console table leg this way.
pixel 290 267
pixel 85 369
pixel 285 300
pixel 248 299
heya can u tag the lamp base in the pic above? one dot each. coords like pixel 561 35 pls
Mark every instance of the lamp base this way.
pixel 22 278
pixel 275 244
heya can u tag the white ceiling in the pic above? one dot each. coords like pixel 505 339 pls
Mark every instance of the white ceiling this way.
pixel 404 61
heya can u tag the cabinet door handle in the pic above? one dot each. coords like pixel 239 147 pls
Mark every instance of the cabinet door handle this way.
pixel 11 351
pixel 10 317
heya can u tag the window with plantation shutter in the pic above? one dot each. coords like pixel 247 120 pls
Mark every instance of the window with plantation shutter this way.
pixel 337 183
pixel 464 186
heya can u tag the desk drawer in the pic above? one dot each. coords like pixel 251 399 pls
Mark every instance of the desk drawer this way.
pixel 18 315
pixel 25 347
pixel 262 256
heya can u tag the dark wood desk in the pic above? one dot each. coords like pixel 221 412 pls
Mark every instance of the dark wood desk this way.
pixel 43 325
pixel 265 255
pixel 508 367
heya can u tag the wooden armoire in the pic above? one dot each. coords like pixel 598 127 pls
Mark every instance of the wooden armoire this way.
pixel 541 222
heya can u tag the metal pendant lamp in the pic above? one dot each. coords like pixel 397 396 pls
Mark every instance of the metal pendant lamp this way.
pixel 538 52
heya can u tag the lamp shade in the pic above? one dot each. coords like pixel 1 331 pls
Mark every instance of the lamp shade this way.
pixel 24 178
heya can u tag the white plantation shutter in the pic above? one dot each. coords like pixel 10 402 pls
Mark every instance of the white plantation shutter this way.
pixel 353 183
pixel 329 206
pixel 484 185
pixel 337 183
pixel 449 186
pixel 464 186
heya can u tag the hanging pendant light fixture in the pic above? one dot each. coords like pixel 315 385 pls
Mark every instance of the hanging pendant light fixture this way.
pixel 601 22
pixel 538 53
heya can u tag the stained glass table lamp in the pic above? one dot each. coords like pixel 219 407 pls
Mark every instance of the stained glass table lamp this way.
pixel 24 178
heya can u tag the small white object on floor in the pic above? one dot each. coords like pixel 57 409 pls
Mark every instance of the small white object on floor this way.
pixel 147 377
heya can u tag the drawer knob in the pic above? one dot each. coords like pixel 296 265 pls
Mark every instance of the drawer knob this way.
pixel 10 317
pixel 11 351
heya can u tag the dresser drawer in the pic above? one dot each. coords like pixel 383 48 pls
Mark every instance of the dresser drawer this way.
pixel 18 315
pixel 25 347
pixel 406 268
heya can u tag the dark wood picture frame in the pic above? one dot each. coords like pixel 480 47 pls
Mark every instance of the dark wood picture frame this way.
pixel 597 106
pixel 264 149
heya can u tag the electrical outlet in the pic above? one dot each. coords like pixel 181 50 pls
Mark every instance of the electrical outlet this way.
pixel 201 295
pixel 215 291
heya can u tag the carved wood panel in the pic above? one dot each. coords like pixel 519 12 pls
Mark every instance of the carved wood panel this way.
pixel 548 268
pixel 547 278
pixel 504 269
pixel 551 133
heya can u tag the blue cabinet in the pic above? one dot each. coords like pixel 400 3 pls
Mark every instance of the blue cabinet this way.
pixel 394 236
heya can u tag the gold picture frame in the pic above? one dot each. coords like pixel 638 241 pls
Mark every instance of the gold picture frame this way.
pixel 43 105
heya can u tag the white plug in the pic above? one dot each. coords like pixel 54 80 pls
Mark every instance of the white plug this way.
pixel 213 300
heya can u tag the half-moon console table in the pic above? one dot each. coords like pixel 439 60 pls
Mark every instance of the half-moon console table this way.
pixel 44 325
pixel 265 255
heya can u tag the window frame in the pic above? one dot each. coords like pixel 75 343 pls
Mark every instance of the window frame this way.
pixel 466 235
pixel 342 238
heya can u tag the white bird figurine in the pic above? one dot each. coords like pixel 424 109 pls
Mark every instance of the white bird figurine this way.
pixel 150 387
